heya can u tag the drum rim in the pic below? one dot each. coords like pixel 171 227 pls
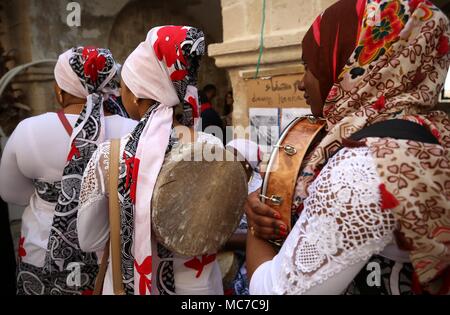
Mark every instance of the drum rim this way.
pixel 275 152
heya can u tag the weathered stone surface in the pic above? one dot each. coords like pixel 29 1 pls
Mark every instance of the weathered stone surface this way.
pixel 38 29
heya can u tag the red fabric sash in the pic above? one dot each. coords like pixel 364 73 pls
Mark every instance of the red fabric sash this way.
pixel 62 117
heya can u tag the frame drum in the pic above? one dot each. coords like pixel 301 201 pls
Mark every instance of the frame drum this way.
pixel 198 199
pixel 284 164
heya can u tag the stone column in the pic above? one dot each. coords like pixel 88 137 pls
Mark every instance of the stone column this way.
pixel 285 25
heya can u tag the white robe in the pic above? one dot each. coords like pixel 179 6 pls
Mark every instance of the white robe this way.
pixel 37 150
pixel 93 229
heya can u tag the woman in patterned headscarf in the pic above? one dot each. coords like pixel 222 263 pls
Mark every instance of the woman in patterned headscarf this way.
pixel 42 166
pixel 158 88
pixel 373 196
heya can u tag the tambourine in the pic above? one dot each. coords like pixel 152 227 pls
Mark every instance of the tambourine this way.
pixel 284 165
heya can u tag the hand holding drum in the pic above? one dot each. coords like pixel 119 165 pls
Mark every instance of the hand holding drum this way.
pixel 270 217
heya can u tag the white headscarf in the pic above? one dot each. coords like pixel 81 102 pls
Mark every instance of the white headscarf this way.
pixel 76 84
pixel 146 76
pixel 155 70
pixel 85 72
pixel 66 78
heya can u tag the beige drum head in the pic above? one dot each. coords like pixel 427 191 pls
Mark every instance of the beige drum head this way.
pixel 198 199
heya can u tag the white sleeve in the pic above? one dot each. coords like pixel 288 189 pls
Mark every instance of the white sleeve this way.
pixel 93 213
pixel 15 187
pixel 340 228
pixel 255 182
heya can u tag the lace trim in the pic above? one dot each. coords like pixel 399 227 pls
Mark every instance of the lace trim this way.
pixel 93 184
pixel 342 223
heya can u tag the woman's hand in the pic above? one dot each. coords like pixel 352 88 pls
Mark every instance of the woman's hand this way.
pixel 264 221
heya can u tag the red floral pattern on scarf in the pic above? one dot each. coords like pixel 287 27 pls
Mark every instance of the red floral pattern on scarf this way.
pixel 443 47
pixel 168 45
pixel 193 102
pixel 132 172
pixel 22 252
pixel 198 264
pixel 73 152
pixel 178 75
pixel 94 63
pixel 378 38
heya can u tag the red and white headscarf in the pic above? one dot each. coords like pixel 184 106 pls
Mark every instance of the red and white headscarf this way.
pixel 90 73
pixel 161 68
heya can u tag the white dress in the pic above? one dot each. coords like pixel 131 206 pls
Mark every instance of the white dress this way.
pixel 93 229
pixel 340 228
pixel 37 152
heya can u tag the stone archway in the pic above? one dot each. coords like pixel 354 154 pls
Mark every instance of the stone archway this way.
pixel 137 17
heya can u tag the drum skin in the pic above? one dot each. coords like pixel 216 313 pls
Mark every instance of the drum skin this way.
pixel 197 203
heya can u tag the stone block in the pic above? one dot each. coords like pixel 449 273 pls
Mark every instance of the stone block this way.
pixel 234 21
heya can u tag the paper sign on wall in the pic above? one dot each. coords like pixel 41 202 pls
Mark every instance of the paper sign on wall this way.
pixel 278 91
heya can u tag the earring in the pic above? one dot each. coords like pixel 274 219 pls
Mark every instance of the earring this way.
pixel 136 102
pixel 60 97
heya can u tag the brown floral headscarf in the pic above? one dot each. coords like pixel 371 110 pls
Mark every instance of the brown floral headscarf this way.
pixel 396 70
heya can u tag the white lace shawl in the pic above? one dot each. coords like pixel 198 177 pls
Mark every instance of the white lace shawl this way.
pixel 341 225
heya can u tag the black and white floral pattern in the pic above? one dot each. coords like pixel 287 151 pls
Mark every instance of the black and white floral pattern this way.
pixel 63 248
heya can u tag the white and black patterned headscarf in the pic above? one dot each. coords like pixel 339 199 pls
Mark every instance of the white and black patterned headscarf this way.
pixel 163 68
pixel 90 73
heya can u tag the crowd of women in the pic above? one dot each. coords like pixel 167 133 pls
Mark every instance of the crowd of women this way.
pixel 381 198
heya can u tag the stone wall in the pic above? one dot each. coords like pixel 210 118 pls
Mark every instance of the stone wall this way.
pixel 38 30
pixel 286 23
pixel 127 32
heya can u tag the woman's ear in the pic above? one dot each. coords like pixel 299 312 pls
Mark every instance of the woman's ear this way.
pixel 130 102
pixel 59 95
